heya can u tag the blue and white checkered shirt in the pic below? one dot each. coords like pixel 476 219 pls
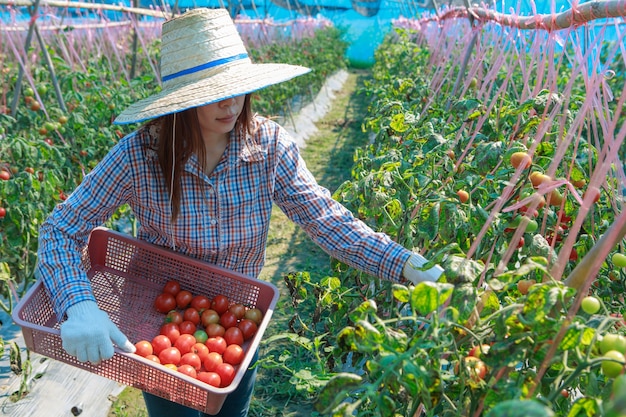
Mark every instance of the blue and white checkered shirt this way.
pixel 224 217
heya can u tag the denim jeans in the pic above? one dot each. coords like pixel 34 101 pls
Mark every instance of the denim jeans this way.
pixel 235 405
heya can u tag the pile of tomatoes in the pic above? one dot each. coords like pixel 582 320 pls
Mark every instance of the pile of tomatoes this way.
pixel 200 337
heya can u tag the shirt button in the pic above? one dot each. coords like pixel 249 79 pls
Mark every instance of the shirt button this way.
pixel 213 222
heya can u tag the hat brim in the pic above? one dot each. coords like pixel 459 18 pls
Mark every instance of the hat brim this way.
pixel 232 82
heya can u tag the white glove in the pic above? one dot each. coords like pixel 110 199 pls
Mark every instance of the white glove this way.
pixel 89 334
pixel 413 274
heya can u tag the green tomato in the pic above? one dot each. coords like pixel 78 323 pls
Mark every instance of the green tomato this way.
pixel 590 304
pixel 610 367
pixel 619 260
pixel 612 341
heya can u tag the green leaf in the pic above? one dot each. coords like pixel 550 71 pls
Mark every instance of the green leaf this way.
pixel 429 296
pixel 585 407
pixel 336 390
pixel 400 293
pixel 459 269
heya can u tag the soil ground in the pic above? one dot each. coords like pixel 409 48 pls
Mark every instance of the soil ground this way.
pixel 329 156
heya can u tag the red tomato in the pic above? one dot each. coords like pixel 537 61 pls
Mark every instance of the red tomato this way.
pixel 228 319
pixel 187 327
pixel 192 315
pixel 233 354
pixel 171 366
pixel 184 343
pixel 165 302
pixel 172 287
pixel 215 329
pixel 216 344
pixel 211 378
pixel 192 359
pixel 255 315
pixel 212 361
pixel 209 316
pixel 220 304
pixel 183 298
pixel 174 317
pixel 170 355
pixel 226 372
pixel 201 350
pixel 160 343
pixel 201 302
pixel 248 328
pixel 144 348
pixel 171 330
pixel 233 336
pixel 153 358
pixel 187 370
pixel 238 310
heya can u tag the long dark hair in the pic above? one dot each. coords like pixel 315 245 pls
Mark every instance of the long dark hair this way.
pixel 187 140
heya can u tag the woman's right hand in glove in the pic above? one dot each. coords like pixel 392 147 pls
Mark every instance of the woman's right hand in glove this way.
pixel 89 334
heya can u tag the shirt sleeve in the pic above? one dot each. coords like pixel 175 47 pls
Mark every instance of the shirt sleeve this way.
pixel 64 234
pixel 330 224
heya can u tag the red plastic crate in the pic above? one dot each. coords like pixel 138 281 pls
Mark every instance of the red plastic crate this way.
pixel 126 275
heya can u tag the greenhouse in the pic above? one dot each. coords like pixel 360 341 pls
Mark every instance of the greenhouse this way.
pixel 313 208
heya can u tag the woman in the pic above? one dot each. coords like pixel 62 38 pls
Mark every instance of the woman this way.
pixel 201 177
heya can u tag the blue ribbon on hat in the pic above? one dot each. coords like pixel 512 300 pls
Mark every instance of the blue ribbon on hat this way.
pixel 207 65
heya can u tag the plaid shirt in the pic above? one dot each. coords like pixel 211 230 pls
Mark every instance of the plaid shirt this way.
pixel 224 217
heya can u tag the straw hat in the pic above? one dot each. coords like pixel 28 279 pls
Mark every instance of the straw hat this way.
pixel 204 60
